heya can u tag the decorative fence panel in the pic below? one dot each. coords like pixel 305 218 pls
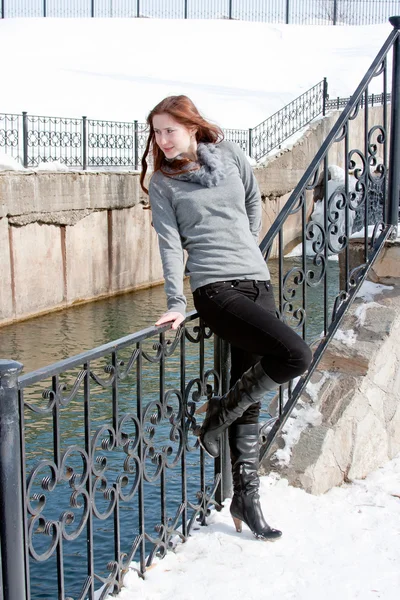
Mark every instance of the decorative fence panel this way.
pixel 312 12
pixel 118 476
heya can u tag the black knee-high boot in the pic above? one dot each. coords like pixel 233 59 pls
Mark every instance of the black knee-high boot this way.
pixel 222 411
pixel 245 506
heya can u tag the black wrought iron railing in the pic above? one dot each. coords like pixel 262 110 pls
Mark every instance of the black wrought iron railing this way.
pixel 315 12
pixel 87 143
pixel 119 473
pixel 351 185
pixel 272 132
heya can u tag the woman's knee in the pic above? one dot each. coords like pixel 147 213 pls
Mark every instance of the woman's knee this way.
pixel 301 358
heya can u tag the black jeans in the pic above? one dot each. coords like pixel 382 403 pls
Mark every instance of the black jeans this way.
pixel 243 313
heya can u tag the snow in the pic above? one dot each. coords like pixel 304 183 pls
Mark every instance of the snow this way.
pixel 301 417
pixel 343 544
pixel 347 337
pixel 237 72
pixel 369 290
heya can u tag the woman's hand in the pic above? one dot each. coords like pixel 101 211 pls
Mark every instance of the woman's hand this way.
pixel 176 317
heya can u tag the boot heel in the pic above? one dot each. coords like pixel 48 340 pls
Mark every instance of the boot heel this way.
pixel 238 524
pixel 202 409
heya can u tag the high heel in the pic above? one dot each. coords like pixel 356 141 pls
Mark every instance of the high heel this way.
pixel 245 505
pixel 238 524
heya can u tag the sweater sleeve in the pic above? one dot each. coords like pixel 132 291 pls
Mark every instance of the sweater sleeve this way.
pixel 169 241
pixel 252 193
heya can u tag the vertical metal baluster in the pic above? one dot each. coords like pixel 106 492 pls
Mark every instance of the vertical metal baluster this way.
pixel 56 454
pixel 367 179
pixel 385 145
pixel 304 261
pixel 348 230
pixel 202 454
pixel 250 142
pixel 280 281
pixel 25 512
pixel 326 200
pixel 136 145
pixel 139 408
pixel 162 397
pixel 84 143
pixel 89 486
pixel 222 464
pixel 325 95
pixel 25 139
pixel 394 160
pixel 118 443
pixel 185 430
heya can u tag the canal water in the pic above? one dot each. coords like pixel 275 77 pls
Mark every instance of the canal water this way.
pixel 44 340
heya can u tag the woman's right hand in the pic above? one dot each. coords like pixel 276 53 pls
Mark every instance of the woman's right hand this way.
pixel 176 317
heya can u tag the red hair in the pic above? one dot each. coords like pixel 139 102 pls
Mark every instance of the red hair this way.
pixel 182 109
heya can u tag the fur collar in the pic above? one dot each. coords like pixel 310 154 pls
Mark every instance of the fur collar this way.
pixel 208 170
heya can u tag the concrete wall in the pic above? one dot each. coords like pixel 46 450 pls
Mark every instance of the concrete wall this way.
pixel 76 236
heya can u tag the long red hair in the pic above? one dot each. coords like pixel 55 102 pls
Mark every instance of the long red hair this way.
pixel 182 109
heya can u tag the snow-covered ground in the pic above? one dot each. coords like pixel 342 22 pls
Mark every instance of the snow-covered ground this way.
pixel 344 545
pixel 237 72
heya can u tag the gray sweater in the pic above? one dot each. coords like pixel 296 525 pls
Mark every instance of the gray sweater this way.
pixel 215 215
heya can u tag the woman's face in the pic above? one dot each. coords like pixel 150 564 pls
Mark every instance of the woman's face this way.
pixel 172 137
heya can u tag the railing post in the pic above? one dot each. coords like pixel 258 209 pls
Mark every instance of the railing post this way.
pixel 25 139
pixel 394 160
pixel 2 9
pixel 92 9
pixel 334 12
pixel 287 12
pixel 45 8
pixel 136 145
pixel 11 506
pixel 137 8
pixel 250 142
pixel 84 143
pixel 230 10
pixel 185 16
pixel 325 96
pixel 223 462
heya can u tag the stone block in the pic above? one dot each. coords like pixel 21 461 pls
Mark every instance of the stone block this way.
pixel 353 360
pixel 24 193
pixel 332 462
pixel 38 268
pixel 394 432
pixel 86 252
pixel 341 394
pixel 370 447
pixel 387 265
pixel 6 301
pixel 135 257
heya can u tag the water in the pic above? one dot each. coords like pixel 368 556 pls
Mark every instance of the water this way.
pixel 47 339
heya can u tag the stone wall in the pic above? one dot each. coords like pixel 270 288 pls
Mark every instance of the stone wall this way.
pixel 353 403
pixel 77 236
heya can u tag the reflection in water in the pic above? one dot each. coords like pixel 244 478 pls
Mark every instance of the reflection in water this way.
pixel 59 335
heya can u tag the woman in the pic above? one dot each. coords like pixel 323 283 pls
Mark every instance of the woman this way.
pixel 205 199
